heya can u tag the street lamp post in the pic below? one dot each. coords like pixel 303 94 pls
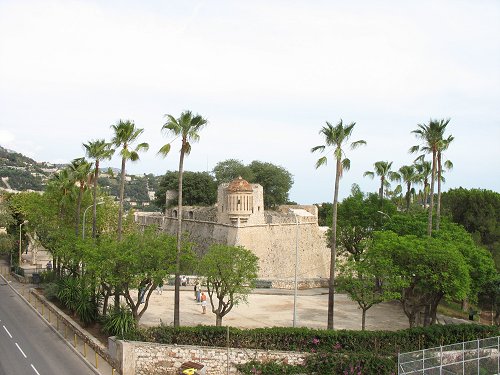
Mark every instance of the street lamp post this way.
pixel 84 213
pixel 296 266
pixel 21 240
pixel 383 213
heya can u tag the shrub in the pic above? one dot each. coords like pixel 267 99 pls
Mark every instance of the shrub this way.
pixel 50 291
pixel 87 306
pixel 68 292
pixel 119 322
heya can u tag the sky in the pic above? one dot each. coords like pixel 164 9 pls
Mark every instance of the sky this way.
pixel 267 74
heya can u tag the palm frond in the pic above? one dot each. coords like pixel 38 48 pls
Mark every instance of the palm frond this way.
pixel 346 164
pixel 318 148
pixel 164 150
pixel 321 161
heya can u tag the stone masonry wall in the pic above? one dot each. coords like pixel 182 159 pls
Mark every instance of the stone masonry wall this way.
pixel 274 244
pixel 141 358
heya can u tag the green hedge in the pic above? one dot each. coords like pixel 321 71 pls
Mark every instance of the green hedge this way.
pixel 324 363
pixel 311 340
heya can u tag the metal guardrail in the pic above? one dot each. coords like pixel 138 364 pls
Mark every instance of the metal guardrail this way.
pixel 478 357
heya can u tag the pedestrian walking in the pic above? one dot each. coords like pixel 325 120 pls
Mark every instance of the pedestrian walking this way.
pixel 196 287
pixel 159 288
pixel 203 303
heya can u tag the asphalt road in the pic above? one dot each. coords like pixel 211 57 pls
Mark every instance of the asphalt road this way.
pixel 27 345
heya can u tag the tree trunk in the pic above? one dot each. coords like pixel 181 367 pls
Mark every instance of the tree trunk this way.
pixel 120 209
pixel 179 238
pixel 426 184
pixel 431 205
pixel 438 208
pixel 333 254
pixel 381 190
pixel 363 320
pixel 408 196
pixel 218 320
pixel 78 209
pixel 94 208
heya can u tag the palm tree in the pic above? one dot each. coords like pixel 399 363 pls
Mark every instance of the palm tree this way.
pixel 335 137
pixel 125 133
pixel 445 143
pixel 409 176
pixel 383 169
pixel 424 169
pixel 431 136
pixel 187 127
pixel 82 172
pixel 97 150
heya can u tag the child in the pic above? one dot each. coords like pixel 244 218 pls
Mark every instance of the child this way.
pixel 204 303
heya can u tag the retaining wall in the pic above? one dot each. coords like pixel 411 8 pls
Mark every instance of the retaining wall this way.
pixel 141 358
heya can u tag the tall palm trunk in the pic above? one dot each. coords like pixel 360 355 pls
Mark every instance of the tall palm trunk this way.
pixel 122 190
pixel 120 219
pixel 78 210
pixel 431 206
pixel 408 196
pixel 426 183
pixel 179 236
pixel 381 190
pixel 438 208
pixel 333 256
pixel 94 207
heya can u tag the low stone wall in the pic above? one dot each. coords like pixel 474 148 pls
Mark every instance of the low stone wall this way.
pixel 301 284
pixel 141 358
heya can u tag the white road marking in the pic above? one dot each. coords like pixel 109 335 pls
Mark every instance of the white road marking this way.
pixel 21 350
pixel 6 330
pixel 33 367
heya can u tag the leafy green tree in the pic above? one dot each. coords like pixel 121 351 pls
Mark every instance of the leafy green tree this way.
pixel 432 269
pixel 478 211
pixel 325 214
pixel 97 150
pixel 140 261
pixel 369 281
pixel 335 138
pixel 431 136
pixel 200 188
pixel 187 127
pixel 230 169
pixel 358 217
pixel 383 170
pixel 231 272
pixel 126 133
pixel 276 182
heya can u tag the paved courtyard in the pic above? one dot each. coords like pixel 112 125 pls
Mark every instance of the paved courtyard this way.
pixel 273 308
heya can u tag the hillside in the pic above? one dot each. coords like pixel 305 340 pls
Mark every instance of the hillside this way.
pixel 21 173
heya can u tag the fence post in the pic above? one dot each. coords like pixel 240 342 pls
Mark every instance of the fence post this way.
pixel 478 357
pixel 96 361
pixel 74 339
pixel 85 349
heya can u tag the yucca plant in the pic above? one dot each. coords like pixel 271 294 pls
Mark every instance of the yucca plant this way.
pixel 119 322
pixel 87 306
pixel 68 293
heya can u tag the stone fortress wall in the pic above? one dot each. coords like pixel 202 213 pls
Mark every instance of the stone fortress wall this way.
pixel 239 219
